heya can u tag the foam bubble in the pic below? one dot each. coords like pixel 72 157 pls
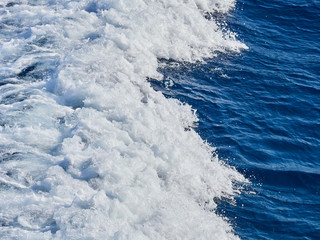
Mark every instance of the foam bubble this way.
pixel 88 148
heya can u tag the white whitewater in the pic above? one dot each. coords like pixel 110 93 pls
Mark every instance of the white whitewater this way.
pixel 88 149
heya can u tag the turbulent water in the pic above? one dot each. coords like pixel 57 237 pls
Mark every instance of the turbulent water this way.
pixel 159 119
pixel 261 109
pixel 89 150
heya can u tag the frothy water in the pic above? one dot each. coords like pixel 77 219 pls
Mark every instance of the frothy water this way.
pixel 89 150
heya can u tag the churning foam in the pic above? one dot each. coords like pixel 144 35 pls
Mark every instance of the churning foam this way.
pixel 88 149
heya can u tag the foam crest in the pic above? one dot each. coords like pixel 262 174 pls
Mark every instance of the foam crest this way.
pixel 88 148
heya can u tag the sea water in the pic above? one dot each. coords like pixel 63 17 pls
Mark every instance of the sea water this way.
pixel 261 110
pixel 89 150
pixel 127 119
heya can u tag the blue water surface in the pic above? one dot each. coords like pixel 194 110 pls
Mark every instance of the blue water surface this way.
pixel 261 110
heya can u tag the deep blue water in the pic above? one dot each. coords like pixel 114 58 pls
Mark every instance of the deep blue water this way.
pixel 261 110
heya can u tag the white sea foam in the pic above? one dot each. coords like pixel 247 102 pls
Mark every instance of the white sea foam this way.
pixel 88 149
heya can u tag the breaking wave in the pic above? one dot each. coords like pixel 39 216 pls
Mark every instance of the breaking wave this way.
pixel 89 150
